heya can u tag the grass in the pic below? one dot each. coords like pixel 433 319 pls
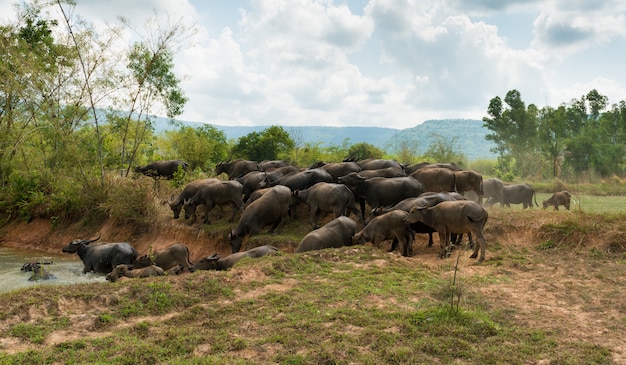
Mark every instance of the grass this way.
pixel 350 305
pixel 356 304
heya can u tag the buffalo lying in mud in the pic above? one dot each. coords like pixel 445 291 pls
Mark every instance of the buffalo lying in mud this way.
pixel 216 262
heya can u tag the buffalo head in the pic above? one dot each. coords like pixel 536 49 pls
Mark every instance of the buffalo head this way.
pixel 76 244
pixel 206 263
pixel 235 241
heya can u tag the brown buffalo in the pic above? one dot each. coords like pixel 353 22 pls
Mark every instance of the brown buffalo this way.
pixel 215 262
pixel 176 254
pixel 493 189
pixel 469 180
pixel 460 216
pixel 124 270
pixel 559 198
pixel 436 179
pixel 388 226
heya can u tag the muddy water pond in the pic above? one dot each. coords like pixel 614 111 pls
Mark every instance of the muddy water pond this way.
pixel 64 268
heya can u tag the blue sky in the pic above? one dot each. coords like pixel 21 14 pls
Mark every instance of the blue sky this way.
pixel 386 63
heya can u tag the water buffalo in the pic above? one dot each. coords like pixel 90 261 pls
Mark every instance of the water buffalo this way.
pixel 256 195
pixel 388 226
pixel 337 169
pixel 101 257
pixel 427 199
pixel 517 194
pixel 284 170
pixel 460 216
pixel 380 191
pixel 176 254
pixel 176 204
pixel 210 195
pixel 493 190
pixel 326 197
pixel 300 180
pixel 237 168
pixel 128 271
pixel 384 172
pixel 377 163
pixel 422 165
pixel 271 209
pixel 469 180
pixel 336 233
pixel 266 165
pixel 436 179
pixel 215 262
pixel 38 271
pixel 251 180
pixel 559 198
pixel 163 168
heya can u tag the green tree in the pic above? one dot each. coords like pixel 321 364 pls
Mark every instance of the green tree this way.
pixel 200 147
pixel 363 150
pixel 270 144
pixel 151 85
pixel 514 130
pixel 552 136
pixel 33 78
pixel 442 149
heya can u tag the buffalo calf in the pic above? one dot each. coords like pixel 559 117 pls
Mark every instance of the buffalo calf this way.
pixel 559 198
pixel 127 271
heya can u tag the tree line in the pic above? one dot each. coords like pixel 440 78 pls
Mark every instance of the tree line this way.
pixel 583 137
pixel 77 107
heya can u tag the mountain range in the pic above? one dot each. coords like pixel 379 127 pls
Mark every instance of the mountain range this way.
pixel 465 135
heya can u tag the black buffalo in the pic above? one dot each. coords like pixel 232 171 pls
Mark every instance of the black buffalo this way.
pixel 381 191
pixel 326 197
pixel 163 168
pixel 102 257
pixel 300 180
pixel 271 209
pixel 336 233
pixel 237 168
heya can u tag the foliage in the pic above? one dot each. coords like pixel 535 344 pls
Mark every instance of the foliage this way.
pixel 575 138
pixel 362 151
pixel 200 147
pixel 362 304
pixel 444 149
pixel 270 144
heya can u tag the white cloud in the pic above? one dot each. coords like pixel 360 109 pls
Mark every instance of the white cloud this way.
pixel 391 63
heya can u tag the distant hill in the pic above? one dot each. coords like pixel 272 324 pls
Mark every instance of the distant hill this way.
pixel 469 134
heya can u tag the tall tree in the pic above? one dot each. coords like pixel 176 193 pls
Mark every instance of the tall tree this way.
pixel 151 85
pixel 552 136
pixel 270 144
pixel 364 150
pixel 514 129
pixel 200 147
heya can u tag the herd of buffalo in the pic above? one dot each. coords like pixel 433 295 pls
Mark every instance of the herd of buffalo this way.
pixel 401 201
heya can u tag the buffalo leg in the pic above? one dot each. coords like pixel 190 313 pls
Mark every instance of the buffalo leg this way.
pixel 207 211
pixel 444 237
pixel 482 244
pixel 235 210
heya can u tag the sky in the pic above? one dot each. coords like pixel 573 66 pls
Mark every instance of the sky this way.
pixel 383 63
